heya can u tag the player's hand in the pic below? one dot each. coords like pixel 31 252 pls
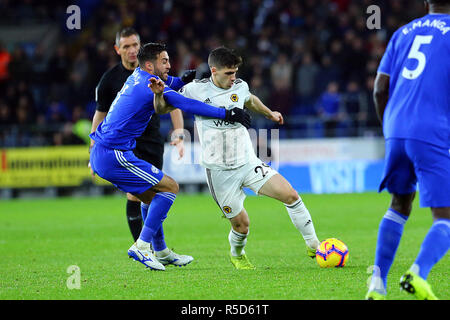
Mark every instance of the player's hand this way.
pixel 179 143
pixel 156 85
pixel 92 171
pixel 275 116
pixel 238 115
pixel 188 76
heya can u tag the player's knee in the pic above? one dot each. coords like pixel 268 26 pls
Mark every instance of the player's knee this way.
pixel 241 227
pixel 173 186
pixel 291 197
pixel 241 223
pixel 441 213
pixel 403 203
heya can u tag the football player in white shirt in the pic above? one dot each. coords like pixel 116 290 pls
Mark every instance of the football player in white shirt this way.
pixel 228 155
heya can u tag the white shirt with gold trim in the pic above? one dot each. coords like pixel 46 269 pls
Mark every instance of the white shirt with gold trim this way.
pixel 224 145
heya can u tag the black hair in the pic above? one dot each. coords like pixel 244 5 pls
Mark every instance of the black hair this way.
pixel 439 2
pixel 125 33
pixel 224 57
pixel 150 51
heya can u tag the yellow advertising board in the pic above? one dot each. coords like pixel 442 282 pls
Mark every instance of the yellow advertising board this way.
pixel 58 166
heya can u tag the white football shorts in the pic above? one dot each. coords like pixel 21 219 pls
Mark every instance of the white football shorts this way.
pixel 226 186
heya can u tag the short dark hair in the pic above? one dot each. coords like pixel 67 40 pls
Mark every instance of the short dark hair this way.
pixel 224 57
pixel 439 2
pixel 125 33
pixel 150 51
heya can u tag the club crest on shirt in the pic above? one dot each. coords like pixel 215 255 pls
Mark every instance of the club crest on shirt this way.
pixel 227 209
pixel 234 97
pixel 155 170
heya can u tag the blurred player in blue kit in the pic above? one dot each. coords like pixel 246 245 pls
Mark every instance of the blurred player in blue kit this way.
pixel 112 157
pixel 412 100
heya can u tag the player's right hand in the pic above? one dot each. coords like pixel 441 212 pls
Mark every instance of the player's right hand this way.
pixel 156 85
pixel 238 115
pixel 277 117
pixel 188 76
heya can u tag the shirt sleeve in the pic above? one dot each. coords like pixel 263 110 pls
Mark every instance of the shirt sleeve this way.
pixel 174 83
pixel 385 66
pixel 185 91
pixel 191 105
pixel 247 93
pixel 103 96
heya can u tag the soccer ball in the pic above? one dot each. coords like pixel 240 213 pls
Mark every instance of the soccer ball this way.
pixel 332 253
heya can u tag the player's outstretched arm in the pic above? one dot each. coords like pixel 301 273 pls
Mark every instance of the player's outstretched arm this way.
pixel 193 106
pixel 159 103
pixel 176 83
pixel 256 105
pixel 381 94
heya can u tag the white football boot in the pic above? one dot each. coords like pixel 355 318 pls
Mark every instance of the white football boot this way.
pixel 173 258
pixel 146 257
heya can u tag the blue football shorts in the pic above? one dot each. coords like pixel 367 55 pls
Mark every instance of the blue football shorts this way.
pixel 124 170
pixel 408 162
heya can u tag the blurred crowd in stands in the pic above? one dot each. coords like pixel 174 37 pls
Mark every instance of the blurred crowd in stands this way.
pixel 312 60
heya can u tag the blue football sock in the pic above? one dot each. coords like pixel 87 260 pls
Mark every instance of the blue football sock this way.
pixel 157 213
pixel 389 235
pixel 434 247
pixel 158 241
pixel 144 210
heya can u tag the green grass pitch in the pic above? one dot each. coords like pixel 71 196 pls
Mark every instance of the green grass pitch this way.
pixel 41 238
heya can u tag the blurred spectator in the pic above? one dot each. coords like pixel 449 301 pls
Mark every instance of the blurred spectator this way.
pixel 59 68
pixel 19 67
pixel 5 114
pixel 57 112
pixel 39 77
pixel 372 124
pixel 329 71
pixel 5 59
pixel 259 88
pixel 307 76
pixel 281 72
pixel 328 109
pixel 355 112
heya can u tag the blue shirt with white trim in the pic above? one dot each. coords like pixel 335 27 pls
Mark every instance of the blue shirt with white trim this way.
pixel 417 60
pixel 133 108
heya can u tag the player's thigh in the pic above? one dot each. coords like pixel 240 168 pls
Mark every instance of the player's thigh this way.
pixel 277 187
pixel 155 157
pixel 166 184
pixel 124 170
pixel 132 197
pixel 432 167
pixel 399 175
pixel 264 180
pixel 226 189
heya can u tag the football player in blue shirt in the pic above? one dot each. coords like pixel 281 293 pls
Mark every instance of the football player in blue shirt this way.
pixel 112 157
pixel 412 100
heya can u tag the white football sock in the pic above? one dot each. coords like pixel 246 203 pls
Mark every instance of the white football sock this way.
pixel 237 242
pixel 163 253
pixel 302 221
pixel 142 245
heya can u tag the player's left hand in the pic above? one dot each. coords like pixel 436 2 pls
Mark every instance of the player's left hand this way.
pixel 156 85
pixel 275 116
pixel 188 76
pixel 179 143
